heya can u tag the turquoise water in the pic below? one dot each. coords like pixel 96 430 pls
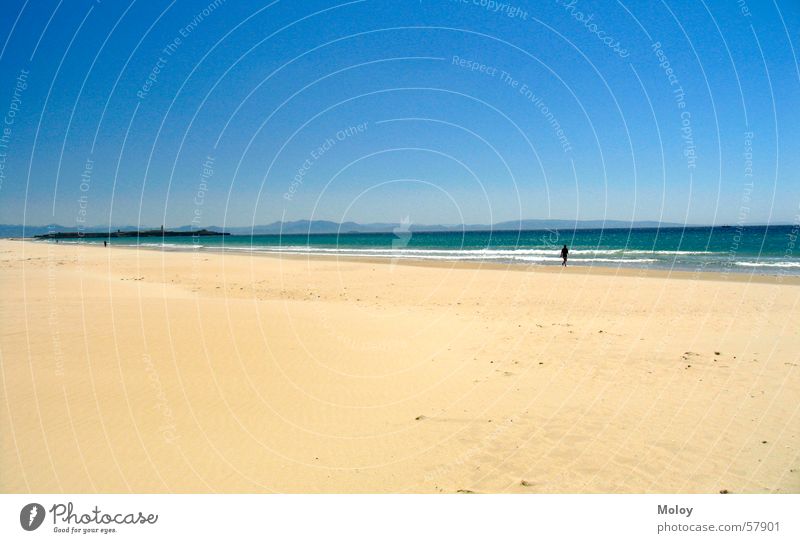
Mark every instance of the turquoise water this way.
pixel 751 249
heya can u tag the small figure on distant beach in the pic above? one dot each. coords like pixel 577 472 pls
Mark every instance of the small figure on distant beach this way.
pixel 564 253
pixel 105 244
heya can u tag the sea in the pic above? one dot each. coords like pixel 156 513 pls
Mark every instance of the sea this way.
pixel 763 250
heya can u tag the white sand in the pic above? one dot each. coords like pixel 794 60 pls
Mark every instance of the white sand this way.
pixel 148 371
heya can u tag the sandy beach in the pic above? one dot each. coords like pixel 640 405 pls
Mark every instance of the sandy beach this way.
pixel 128 370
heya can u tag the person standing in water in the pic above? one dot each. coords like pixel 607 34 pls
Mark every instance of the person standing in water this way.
pixel 564 253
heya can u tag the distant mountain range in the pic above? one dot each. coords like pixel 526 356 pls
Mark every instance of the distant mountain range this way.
pixel 330 227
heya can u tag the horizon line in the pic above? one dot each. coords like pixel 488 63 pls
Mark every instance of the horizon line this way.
pixel 670 224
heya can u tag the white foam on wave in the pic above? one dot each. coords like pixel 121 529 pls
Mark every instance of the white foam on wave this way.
pixel 165 245
pixel 476 253
pixel 583 260
pixel 435 254
pixel 675 252
pixel 769 264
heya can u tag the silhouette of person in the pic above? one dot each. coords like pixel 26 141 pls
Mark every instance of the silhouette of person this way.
pixel 564 253
pixel 105 244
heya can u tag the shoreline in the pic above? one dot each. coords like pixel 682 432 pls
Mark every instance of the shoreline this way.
pixel 737 276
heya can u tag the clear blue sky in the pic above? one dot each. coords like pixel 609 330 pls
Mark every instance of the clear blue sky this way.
pixel 586 122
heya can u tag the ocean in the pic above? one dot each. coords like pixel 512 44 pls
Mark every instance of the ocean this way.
pixel 748 249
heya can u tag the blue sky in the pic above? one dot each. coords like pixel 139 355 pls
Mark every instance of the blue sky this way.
pixel 443 111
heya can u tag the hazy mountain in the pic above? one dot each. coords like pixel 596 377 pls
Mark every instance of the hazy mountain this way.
pixel 544 224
